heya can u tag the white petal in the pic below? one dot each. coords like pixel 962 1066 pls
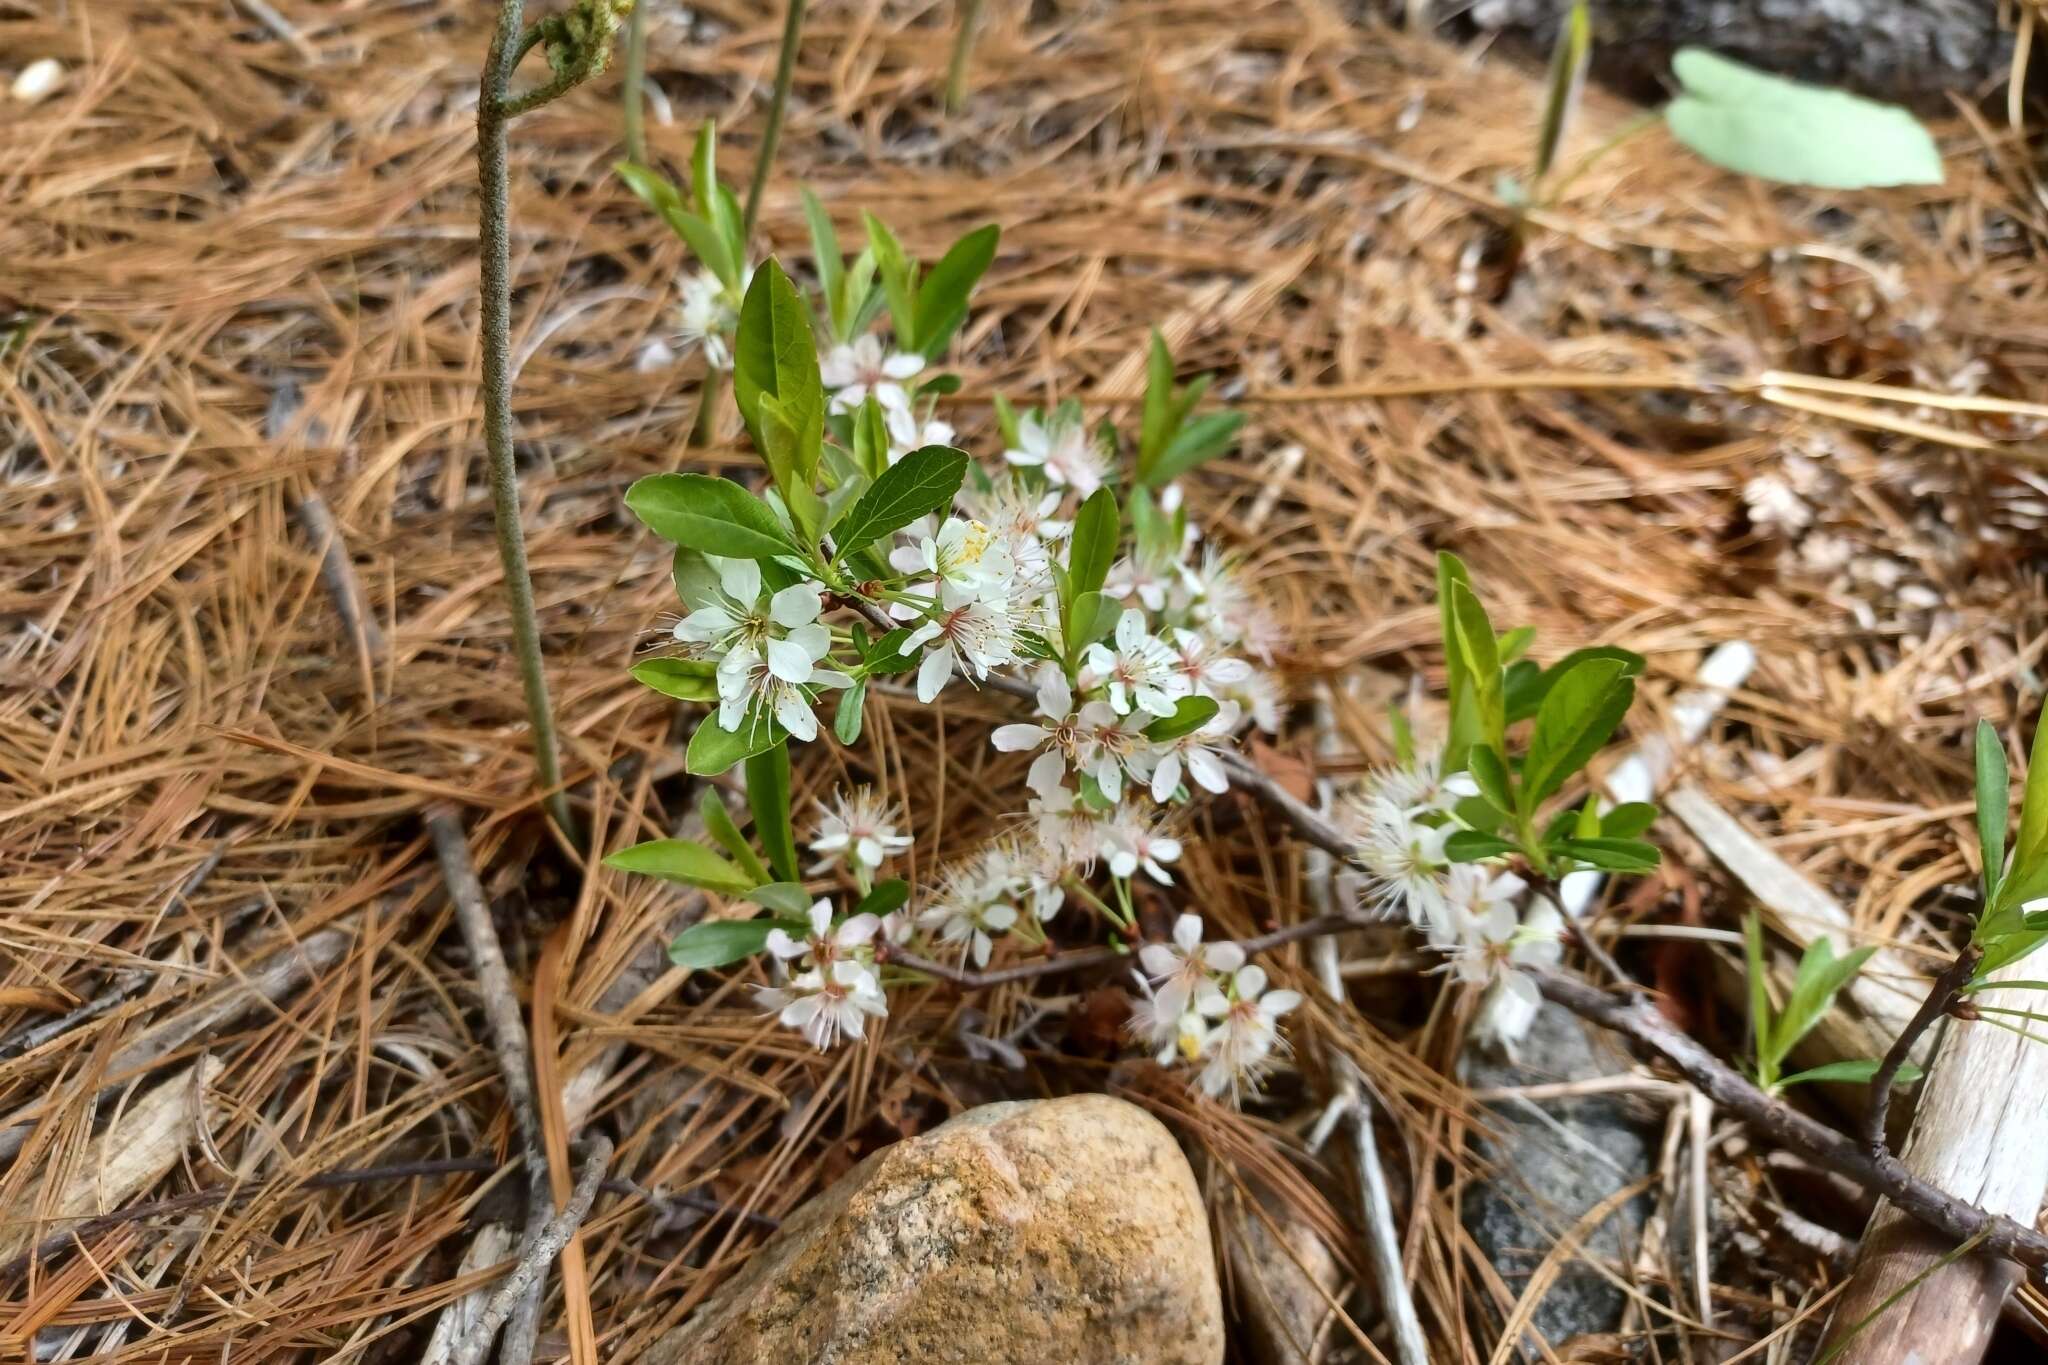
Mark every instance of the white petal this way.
pixel 1207 771
pixel 1046 771
pixel 934 673
pixel 1187 934
pixel 796 605
pixel 783 946
pixel 795 715
pixel 1016 739
pixel 902 365
pixel 741 579
pixel 1279 1002
pixel 857 931
pixel 789 661
pixel 1251 982
pixel 821 917
pixel 814 639
pixel 1055 697
pixel 1223 957
pixel 1159 960
pixel 1166 777
pixel 1130 629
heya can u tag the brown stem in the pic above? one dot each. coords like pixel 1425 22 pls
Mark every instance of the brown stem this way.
pixel 1947 989
pixel 536 1255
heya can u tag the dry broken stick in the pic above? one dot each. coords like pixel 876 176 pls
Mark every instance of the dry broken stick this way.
pixel 537 1252
pixel 502 1021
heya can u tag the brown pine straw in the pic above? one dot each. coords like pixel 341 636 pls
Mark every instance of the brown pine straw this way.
pixel 195 777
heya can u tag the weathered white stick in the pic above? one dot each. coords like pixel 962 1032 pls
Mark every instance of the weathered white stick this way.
pixel 1504 1020
pixel 1980 1132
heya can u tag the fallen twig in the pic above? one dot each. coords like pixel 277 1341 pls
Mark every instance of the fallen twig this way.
pixel 537 1253
pixel 1947 989
pixel 501 1018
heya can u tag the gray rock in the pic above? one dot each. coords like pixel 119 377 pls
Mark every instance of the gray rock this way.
pixel 1067 1231
pixel 1548 1175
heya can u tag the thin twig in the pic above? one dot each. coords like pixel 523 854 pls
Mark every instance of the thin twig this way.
pixel 1308 822
pixel 494 113
pixel 1886 1175
pixel 778 106
pixel 963 49
pixel 536 1254
pixel 1941 997
pixel 501 1019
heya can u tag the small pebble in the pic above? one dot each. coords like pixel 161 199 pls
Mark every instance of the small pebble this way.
pixel 37 79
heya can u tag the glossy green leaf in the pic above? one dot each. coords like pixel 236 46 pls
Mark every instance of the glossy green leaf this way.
pixel 768 788
pixel 831 265
pixel 847 719
pixel 1862 1071
pixel 1994 805
pixel 1189 715
pixel 714 750
pixel 718 943
pixel 1577 717
pixel 1610 855
pixel 789 898
pixel 922 482
pixel 1528 685
pixel 703 239
pixel 2031 848
pixel 1470 845
pixel 887 897
pixel 899 282
pixel 683 679
pixel 776 354
pixel 1490 771
pixel 1197 442
pixel 943 294
pixel 1627 821
pixel 1761 1014
pixel 1759 124
pixel 715 516
pixel 718 823
pixel 1821 975
pixel 681 860
pixel 1097 532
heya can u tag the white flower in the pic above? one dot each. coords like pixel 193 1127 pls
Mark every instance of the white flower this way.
pixel 1198 659
pixel 1022 522
pixel 1233 614
pixel 1403 856
pixel 906 433
pixel 1168 1032
pixel 1264 698
pixel 972 905
pixel 1241 1044
pixel 1471 894
pixel 784 628
pixel 972 634
pixel 1198 752
pixel 705 317
pixel 854 371
pixel 860 828
pixel 1139 671
pixel 1063 741
pixel 1490 949
pixel 825 945
pixel 1773 506
pixel 962 555
pixel 824 1004
pixel 1132 841
pixel 1181 969
pixel 1066 828
pixel 748 686
pixel 1063 450
pixel 1152 580
pixel 1420 786
pixel 1113 745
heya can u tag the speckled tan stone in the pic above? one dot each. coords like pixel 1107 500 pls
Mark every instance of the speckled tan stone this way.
pixel 1067 1231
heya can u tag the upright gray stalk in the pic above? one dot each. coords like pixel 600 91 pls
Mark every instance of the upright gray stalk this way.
pixel 778 106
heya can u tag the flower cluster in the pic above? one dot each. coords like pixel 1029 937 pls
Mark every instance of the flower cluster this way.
pixel 1203 1003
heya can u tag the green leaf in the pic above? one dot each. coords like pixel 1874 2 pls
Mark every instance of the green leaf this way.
pixel 887 897
pixel 846 720
pixel 942 297
pixel 768 794
pixel 1527 685
pixel 1093 549
pixel 1200 440
pixel 1821 974
pixel 1859 1072
pixel 1156 426
pixel 683 679
pixel 1480 650
pixel 1189 715
pixel 716 943
pixel 681 860
pixel 830 262
pixel 703 240
pixel 788 897
pixel 776 354
pixel 1403 732
pixel 1490 771
pixel 1628 820
pixel 715 516
pixel 1095 615
pixel 885 656
pixel 923 481
pixel 719 824
pixel 714 750
pixel 2033 833
pixel 1758 124
pixel 1470 845
pixel 1994 806
pixel 898 280
pixel 1760 1013
pixel 1610 855
pixel 1576 718
pixel 871 437
pixel 1481 814
pixel 1515 643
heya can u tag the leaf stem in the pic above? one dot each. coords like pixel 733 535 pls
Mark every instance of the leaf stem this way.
pixel 1947 989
